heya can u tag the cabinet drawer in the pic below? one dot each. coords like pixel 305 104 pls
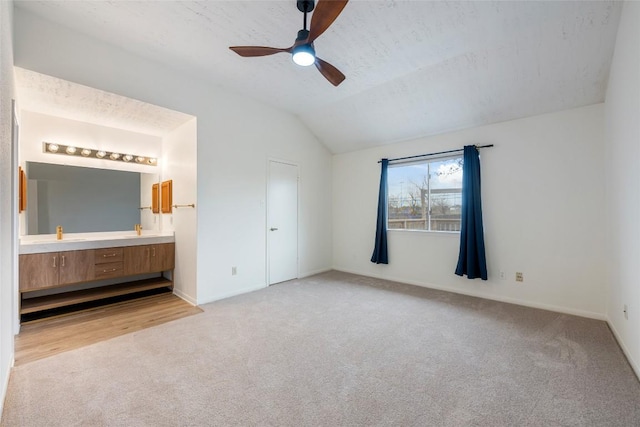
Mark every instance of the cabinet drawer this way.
pixel 109 269
pixel 108 255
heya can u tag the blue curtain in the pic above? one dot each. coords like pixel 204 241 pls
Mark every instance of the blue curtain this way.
pixel 380 255
pixel 471 260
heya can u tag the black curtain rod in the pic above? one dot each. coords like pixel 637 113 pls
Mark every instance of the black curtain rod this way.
pixel 435 154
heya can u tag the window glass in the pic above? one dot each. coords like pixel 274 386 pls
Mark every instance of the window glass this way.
pixel 425 195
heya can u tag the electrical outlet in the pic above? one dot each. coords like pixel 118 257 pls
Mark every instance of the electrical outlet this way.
pixel 626 312
pixel 519 276
pixel 503 276
pixel 234 271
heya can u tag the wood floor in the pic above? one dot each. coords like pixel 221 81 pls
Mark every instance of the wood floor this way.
pixel 46 337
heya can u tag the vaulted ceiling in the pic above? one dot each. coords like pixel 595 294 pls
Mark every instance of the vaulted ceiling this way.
pixel 413 68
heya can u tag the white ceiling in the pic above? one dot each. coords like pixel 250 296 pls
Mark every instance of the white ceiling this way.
pixel 413 68
pixel 55 97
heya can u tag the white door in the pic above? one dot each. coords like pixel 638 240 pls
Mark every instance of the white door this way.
pixel 282 222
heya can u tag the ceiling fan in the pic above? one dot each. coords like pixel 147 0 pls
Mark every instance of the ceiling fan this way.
pixel 302 51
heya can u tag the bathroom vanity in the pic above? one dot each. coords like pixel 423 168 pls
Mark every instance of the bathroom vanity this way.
pixel 85 267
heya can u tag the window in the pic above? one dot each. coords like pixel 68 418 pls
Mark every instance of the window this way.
pixel 425 195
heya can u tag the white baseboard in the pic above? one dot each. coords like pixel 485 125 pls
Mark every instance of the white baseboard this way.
pixel 5 386
pixel 232 294
pixel 557 309
pixel 183 296
pixel 314 272
pixel 252 288
pixel 634 365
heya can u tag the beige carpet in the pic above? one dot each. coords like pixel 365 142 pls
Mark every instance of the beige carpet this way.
pixel 339 350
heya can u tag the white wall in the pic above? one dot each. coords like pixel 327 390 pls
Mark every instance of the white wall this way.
pixel 179 159
pixel 622 142
pixel 7 198
pixel 236 136
pixel 232 184
pixel 543 191
pixel 36 128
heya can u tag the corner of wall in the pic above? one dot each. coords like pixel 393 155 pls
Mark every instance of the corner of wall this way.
pixel 632 362
pixel 622 109
pixel 7 199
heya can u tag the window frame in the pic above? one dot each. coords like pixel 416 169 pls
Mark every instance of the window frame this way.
pixel 428 162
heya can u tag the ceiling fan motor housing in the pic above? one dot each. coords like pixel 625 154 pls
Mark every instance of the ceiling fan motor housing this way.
pixel 302 35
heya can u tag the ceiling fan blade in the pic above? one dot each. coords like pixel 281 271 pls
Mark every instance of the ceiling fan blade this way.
pixel 248 51
pixel 326 11
pixel 330 72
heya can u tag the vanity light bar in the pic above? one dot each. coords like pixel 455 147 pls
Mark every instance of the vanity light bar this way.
pixel 70 150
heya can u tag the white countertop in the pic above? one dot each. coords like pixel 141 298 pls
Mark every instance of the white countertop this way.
pixel 42 243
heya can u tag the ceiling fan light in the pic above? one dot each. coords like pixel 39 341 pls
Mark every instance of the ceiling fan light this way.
pixel 304 55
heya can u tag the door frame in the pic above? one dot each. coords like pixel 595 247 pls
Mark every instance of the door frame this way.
pixel 266 218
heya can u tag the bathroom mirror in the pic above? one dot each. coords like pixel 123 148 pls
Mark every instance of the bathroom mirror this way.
pixel 85 200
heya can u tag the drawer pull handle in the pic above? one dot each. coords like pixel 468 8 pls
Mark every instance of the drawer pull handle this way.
pixel 54 261
pixel 63 260
pixel 109 271
pixel 108 255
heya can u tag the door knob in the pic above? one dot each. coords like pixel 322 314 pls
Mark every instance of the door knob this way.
pixel 273 229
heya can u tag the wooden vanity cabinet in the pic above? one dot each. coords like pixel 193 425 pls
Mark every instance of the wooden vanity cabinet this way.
pixel 76 266
pixel 58 269
pixel 136 259
pixel 163 257
pixel 37 271
pixel 47 270
pixel 149 258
